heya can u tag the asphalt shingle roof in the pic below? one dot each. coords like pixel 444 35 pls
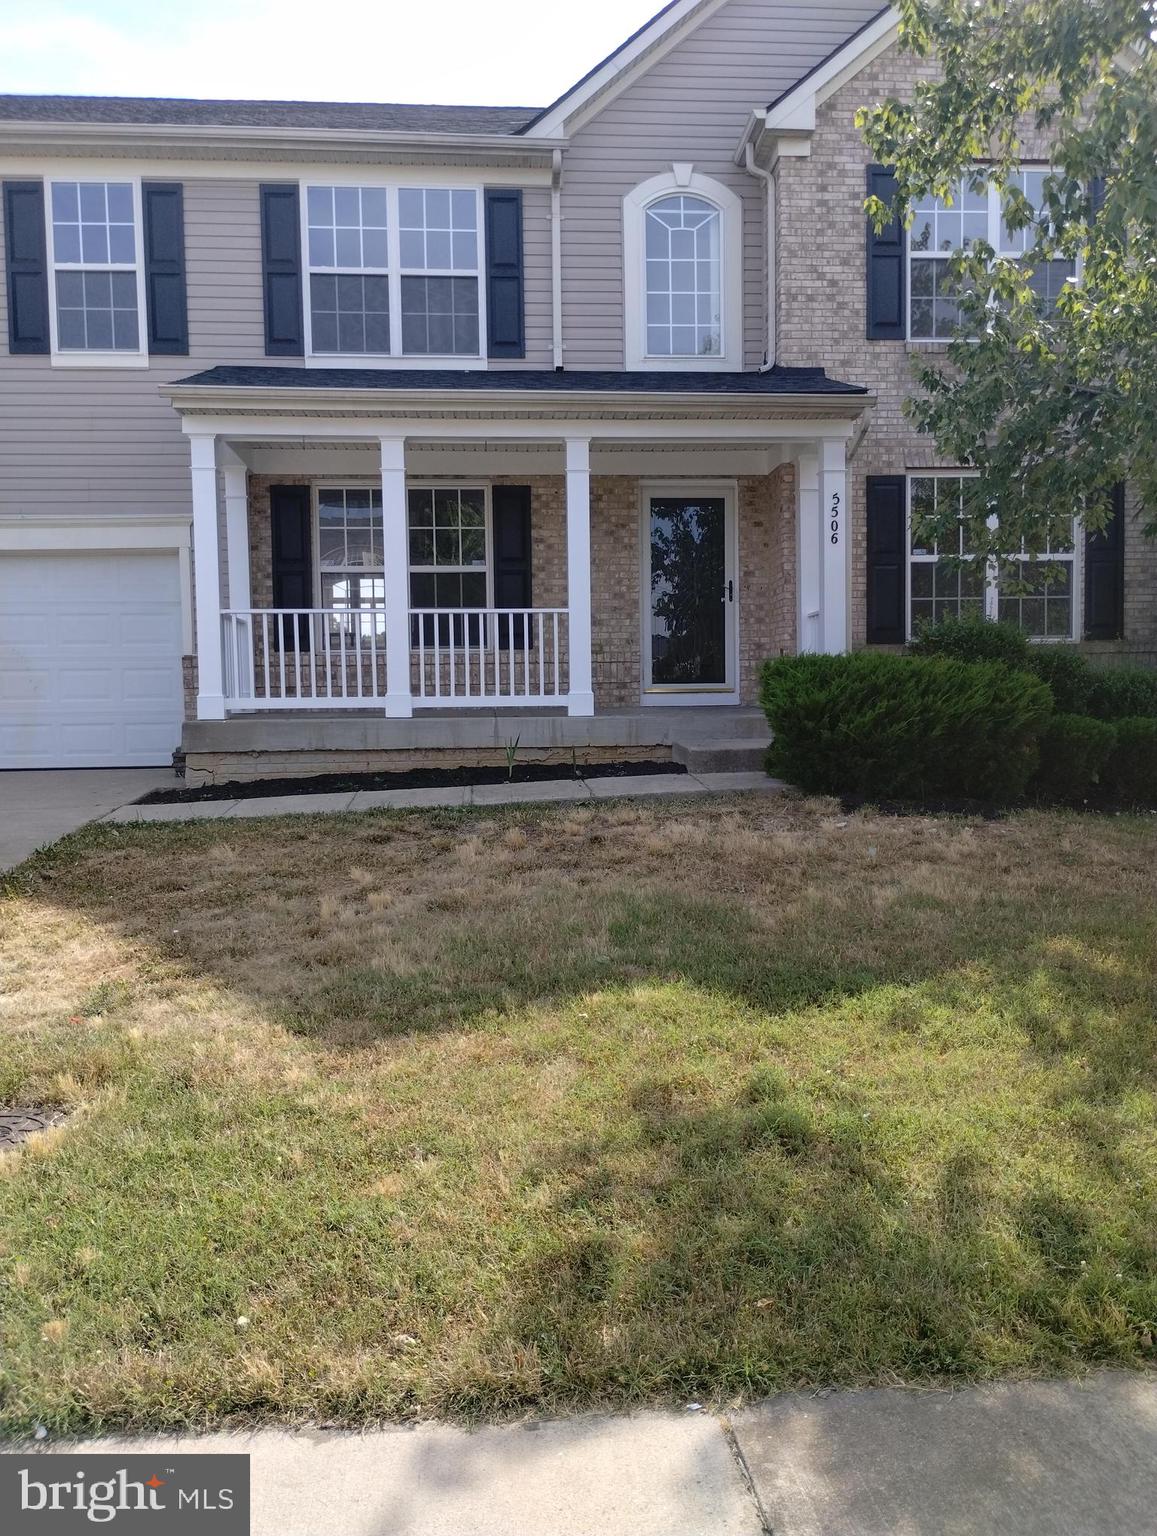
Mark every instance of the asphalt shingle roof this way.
pixel 775 381
pixel 379 117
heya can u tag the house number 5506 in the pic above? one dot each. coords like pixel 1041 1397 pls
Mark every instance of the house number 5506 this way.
pixel 834 524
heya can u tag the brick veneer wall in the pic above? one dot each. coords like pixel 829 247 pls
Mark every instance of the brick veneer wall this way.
pixel 821 306
pixel 766 511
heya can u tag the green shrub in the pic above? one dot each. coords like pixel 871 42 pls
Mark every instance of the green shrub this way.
pixel 972 640
pixel 900 727
pixel 1120 693
pixel 1073 753
pixel 1067 673
pixel 1131 772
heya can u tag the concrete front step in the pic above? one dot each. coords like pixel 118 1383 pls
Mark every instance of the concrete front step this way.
pixel 727 754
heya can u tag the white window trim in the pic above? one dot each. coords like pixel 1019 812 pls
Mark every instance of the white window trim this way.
pixel 395 357
pixel 425 483
pixel 993 236
pixel 991 606
pixel 730 207
pixel 111 358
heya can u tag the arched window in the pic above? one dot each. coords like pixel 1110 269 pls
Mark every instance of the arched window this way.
pixel 682 273
pixel 684 292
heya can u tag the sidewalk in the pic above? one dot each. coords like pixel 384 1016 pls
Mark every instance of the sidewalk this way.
pixel 547 792
pixel 1033 1458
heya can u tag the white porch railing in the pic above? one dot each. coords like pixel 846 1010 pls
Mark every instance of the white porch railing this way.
pixel 303 658
pixel 335 658
pixel 482 656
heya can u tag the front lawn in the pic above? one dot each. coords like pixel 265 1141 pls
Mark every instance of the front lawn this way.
pixel 470 1113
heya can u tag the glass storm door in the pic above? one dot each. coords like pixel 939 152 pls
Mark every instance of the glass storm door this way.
pixel 689 593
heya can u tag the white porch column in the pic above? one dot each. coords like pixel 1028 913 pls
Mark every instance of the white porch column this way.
pixel 808 554
pixel 835 525
pixel 396 560
pixel 581 698
pixel 234 473
pixel 207 576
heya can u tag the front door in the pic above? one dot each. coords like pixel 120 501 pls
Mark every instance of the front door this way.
pixel 689 596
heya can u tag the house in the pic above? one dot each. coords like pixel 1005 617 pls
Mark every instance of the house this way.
pixel 343 434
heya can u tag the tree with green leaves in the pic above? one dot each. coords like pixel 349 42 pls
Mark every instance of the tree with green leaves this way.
pixel 1052 402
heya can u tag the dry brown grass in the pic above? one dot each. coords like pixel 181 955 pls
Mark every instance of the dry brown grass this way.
pixel 466 1112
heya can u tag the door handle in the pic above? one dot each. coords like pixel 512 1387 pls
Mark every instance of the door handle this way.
pixel 730 592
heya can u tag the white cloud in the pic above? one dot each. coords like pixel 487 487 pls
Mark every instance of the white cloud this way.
pixel 522 52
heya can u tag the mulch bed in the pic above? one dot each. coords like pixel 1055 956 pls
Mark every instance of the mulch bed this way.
pixel 417 778
pixel 19 1122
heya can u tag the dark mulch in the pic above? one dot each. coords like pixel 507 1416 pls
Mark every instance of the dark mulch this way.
pixel 18 1122
pixel 418 778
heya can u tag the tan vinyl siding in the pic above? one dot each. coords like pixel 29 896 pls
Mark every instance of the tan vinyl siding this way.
pixel 689 106
pixel 105 439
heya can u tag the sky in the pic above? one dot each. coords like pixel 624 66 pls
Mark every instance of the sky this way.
pixel 490 52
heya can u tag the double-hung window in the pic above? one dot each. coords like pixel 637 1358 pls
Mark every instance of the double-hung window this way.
pixel 96 272
pixel 449 566
pixel 1048 277
pixel 393 272
pixel 440 272
pixel 349 300
pixel 954 582
pixel 940 230
pixel 1042 604
pixel 349 558
pixel 939 588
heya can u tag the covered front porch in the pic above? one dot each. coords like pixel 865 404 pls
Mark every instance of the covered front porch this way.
pixel 461 549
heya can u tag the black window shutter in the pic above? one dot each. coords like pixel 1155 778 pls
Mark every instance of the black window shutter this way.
pixel 291 540
pixel 164 214
pixel 887 554
pixel 510 513
pixel 27 266
pixel 281 266
pixel 886 265
pixel 1105 575
pixel 505 326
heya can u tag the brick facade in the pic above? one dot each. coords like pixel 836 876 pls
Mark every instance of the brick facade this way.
pixel 821 304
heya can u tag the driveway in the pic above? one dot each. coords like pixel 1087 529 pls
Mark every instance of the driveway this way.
pixel 37 806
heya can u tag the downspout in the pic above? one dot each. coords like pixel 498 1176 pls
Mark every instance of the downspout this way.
pixel 769 202
pixel 556 256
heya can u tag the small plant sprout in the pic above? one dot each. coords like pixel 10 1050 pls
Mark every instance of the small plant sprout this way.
pixel 511 755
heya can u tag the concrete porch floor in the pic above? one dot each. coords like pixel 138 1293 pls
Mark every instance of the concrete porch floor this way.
pixel 306 742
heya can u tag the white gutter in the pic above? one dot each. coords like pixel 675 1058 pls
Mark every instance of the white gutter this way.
pixel 556 255
pixel 769 203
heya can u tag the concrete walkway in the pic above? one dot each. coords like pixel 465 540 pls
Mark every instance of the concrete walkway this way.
pixel 549 792
pixel 37 806
pixel 1035 1459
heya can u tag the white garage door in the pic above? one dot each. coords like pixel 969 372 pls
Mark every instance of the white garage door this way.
pixel 90 660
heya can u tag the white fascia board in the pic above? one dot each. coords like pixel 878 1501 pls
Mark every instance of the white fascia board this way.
pixel 216 141
pixel 655 39
pixel 424 414
pixel 35 532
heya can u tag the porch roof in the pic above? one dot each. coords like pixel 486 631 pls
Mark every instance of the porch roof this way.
pixel 778 381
